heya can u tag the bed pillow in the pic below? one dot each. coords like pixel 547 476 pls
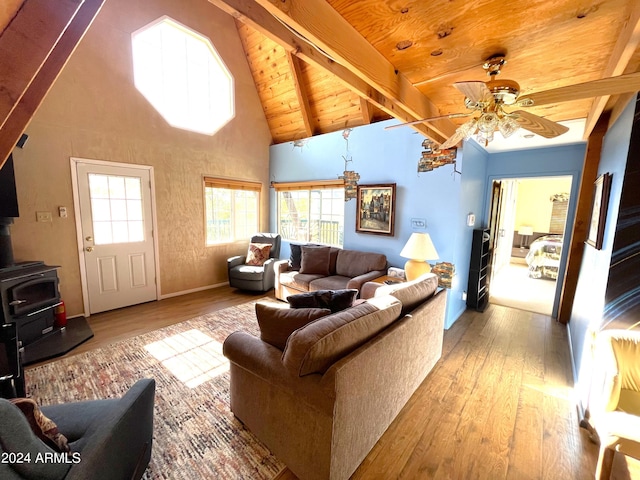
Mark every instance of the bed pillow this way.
pixel 315 260
pixel 257 254
pixel 277 323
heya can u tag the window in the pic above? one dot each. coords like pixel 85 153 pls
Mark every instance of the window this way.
pixel 311 211
pixel 182 76
pixel 231 209
pixel 116 209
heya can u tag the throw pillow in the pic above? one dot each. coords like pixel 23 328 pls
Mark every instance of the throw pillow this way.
pixel 277 323
pixel 335 300
pixel 295 260
pixel 315 260
pixel 43 427
pixel 257 254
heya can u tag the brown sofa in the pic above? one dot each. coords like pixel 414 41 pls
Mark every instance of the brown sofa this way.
pixel 344 269
pixel 322 403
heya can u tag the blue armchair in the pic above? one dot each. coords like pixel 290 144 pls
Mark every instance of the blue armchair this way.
pixel 255 278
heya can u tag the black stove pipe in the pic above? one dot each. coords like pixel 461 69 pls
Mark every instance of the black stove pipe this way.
pixel 6 249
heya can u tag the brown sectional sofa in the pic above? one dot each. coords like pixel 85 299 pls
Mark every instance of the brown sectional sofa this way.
pixel 348 269
pixel 322 403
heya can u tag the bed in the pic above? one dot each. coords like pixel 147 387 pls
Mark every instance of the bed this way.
pixel 544 257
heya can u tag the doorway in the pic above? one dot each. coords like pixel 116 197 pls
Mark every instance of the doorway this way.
pixel 115 225
pixel 528 242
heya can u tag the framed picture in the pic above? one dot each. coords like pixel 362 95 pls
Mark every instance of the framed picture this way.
pixel 376 209
pixel 601 190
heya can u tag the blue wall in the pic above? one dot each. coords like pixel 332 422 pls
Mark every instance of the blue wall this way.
pixel 589 300
pixel 542 162
pixel 440 197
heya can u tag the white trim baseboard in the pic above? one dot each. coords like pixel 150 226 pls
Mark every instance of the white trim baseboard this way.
pixel 192 290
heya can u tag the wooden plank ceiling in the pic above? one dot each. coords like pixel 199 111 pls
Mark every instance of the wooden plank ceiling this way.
pixel 369 60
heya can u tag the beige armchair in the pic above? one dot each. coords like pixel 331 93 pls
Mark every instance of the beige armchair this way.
pixel 614 403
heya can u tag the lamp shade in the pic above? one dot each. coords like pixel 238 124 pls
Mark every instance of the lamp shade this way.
pixel 525 230
pixel 419 247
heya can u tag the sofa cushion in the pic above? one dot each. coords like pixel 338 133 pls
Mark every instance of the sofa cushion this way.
pixel 413 293
pixel 332 282
pixel 319 344
pixel 257 254
pixel 248 272
pixel 277 321
pixel 352 263
pixel 315 260
pixel 298 281
pixel 335 300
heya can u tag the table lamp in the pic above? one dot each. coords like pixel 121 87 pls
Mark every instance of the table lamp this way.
pixel 524 231
pixel 418 249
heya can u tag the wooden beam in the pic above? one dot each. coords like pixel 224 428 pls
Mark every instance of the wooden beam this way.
pixel 252 14
pixel 38 78
pixel 26 43
pixel 582 219
pixel 623 51
pixel 367 111
pixel 301 93
pixel 325 28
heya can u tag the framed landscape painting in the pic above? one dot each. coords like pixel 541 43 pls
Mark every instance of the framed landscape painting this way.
pixel 376 209
pixel 601 189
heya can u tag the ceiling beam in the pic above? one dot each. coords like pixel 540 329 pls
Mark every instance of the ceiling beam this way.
pixel 252 14
pixel 367 111
pixel 623 51
pixel 325 28
pixel 29 64
pixel 301 93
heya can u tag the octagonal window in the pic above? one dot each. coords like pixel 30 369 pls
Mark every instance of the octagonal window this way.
pixel 180 73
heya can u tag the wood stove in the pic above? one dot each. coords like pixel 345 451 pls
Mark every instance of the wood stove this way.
pixel 29 294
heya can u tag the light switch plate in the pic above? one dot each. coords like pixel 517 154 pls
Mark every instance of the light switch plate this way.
pixel 44 217
pixel 471 220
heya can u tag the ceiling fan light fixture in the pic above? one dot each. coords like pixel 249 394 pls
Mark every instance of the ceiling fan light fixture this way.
pixel 488 122
pixel 483 138
pixel 467 129
pixel 508 126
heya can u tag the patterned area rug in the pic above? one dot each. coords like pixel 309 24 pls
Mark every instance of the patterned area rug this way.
pixel 195 434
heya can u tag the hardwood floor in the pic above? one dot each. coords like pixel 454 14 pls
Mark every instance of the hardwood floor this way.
pixel 498 405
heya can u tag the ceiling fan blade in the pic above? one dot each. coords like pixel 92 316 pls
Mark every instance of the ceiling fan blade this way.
pixel 541 126
pixel 475 91
pixel 596 88
pixel 427 120
pixel 452 140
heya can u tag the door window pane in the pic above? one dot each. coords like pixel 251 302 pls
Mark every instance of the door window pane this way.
pixel 116 209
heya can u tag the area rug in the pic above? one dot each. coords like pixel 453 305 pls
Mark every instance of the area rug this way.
pixel 195 434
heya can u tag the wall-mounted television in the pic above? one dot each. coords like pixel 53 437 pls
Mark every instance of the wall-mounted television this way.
pixel 8 194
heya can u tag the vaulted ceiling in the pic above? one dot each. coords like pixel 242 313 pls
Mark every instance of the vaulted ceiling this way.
pixel 325 65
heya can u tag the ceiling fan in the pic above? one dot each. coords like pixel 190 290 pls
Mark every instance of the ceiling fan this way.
pixel 489 104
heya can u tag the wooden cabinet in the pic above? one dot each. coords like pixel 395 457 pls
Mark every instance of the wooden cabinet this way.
pixel 479 269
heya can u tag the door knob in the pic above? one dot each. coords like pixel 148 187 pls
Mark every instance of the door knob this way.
pixel 89 249
pixel 89 238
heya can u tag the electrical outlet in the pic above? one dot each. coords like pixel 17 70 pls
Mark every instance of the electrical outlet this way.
pixel 62 211
pixel 464 296
pixel 44 217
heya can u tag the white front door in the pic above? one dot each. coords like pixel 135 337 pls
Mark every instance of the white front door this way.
pixel 117 235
